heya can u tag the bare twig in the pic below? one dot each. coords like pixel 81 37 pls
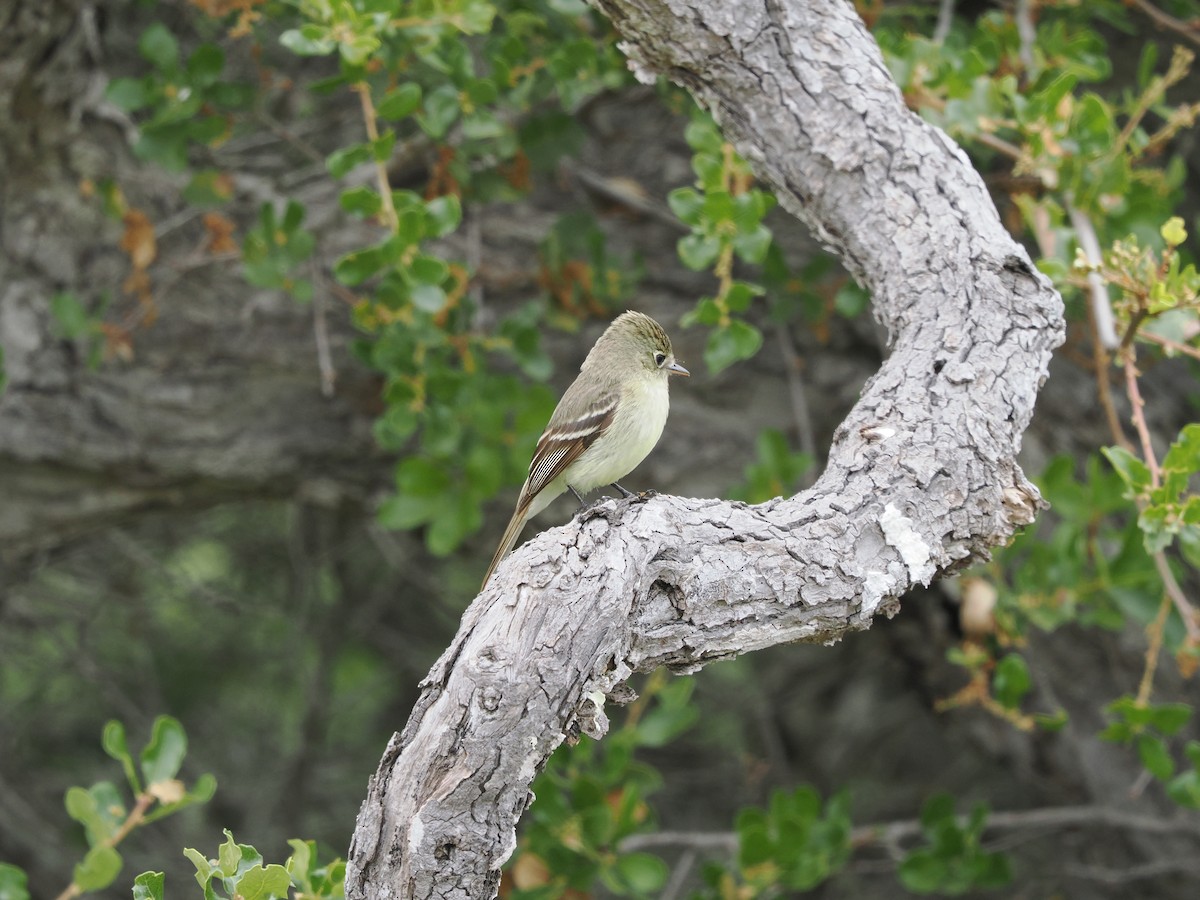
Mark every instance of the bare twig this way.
pixel 1155 630
pixel 390 219
pixel 944 20
pixel 1106 332
pixel 1186 30
pixel 321 334
pixel 1026 33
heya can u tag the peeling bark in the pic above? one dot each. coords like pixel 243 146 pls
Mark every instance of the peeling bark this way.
pixel 921 479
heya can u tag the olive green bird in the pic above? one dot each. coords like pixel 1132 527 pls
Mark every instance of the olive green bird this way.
pixel 606 423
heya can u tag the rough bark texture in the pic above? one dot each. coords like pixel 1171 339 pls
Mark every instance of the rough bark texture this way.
pixel 921 476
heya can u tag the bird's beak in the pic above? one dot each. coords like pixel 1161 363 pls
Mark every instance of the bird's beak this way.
pixel 676 369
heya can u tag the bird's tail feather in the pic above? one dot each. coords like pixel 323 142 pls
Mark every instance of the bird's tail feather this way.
pixel 511 533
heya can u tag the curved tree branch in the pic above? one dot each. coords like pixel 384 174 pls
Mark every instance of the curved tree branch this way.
pixel 921 478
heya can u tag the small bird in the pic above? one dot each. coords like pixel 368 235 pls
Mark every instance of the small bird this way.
pixel 606 423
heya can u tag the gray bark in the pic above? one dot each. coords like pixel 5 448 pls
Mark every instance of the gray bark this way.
pixel 921 476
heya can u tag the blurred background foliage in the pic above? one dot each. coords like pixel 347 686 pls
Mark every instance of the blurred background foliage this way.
pixel 464 192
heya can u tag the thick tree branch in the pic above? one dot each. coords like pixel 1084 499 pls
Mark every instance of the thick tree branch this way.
pixel 921 478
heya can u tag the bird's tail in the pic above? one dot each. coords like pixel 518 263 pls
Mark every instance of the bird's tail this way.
pixel 511 533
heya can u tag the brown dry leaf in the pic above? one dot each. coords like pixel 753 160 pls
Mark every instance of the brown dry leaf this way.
pixel 138 240
pixel 220 234
pixel 171 791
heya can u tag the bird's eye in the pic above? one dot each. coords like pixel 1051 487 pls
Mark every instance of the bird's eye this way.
pixel 660 358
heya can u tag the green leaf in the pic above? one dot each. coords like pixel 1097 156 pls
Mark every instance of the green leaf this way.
pixel 205 64
pixel 147 886
pixel 440 110
pixel 355 268
pixel 163 756
pixel 360 200
pixel 1155 757
pixel 159 46
pixel 737 341
pixel 73 319
pixel 641 872
pixel 260 883
pixel 687 205
pixel 400 102
pixel 921 872
pixel 699 251
pixel 311 40
pixel 752 246
pixel 112 739
pixel 13 883
pixel 1011 683
pixel 442 215
pixel 130 94
pixel 1173 232
pixel 1132 470
pixel 339 162
pixel 98 869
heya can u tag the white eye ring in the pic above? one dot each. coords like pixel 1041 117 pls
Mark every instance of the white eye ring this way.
pixel 660 358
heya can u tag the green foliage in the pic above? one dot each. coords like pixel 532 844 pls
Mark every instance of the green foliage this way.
pixel 581 273
pixel 76 323
pixel 726 216
pixel 106 819
pixel 794 842
pixel 953 862
pixel 12 883
pixel 184 101
pixel 275 248
pixel 1148 728
pixel 777 471
pixel 592 796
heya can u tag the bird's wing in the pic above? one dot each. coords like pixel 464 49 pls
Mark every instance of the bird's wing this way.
pixel 565 439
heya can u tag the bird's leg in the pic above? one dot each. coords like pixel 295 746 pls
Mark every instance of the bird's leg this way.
pixel 624 493
pixel 578 496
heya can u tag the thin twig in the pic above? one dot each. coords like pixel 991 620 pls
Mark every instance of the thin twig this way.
pixel 944 20
pixel 321 334
pixel 132 821
pixel 1026 33
pixel 1186 611
pixel 1168 21
pixel 1168 344
pixel 381 173
pixel 1106 331
pixel 1155 631
pixel 678 877
pixel 1138 416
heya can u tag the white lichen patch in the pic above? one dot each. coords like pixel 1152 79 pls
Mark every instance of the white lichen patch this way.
pixel 875 585
pixel 898 531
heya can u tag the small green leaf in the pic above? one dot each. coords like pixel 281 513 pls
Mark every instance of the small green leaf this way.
pixel 159 46
pixel 641 872
pixel 339 162
pixel 98 869
pixel 442 215
pixel 130 94
pixel 752 246
pixel 148 886
pixel 259 883
pixel 440 110
pixel 1132 470
pixel 361 200
pixel 205 64
pixel 163 756
pixel 1155 757
pixel 73 319
pixel 311 40
pixel 698 251
pixel 1011 683
pixel 13 883
pixel 113 741
pixel 736 341
pixel 401 102
pixel 687 205
pixel 1173 231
